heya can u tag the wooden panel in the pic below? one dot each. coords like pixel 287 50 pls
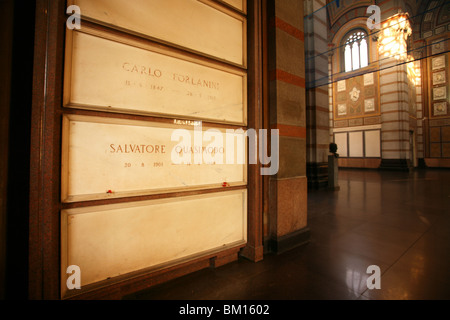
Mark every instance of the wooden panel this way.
pixel 195 25
pixel 437 163
pixel 359 163
pixel 445 134
pixel 110 73
pixel 446 150
pixel 435 134
pixel 112 240
pixel 107 158
pixel 435 150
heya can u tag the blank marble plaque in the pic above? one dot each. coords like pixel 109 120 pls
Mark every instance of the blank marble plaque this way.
pixel 200 26
pixel 112 240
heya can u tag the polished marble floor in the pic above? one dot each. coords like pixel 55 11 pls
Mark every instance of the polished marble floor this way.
pixel 399 221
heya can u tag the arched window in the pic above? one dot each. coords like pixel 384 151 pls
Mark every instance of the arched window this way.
pixel 355 50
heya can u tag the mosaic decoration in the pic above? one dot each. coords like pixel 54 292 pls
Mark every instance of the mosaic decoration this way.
pixel 439 77
pixel 360 97
pixel 369 105
pixel 341 86
pixel 354 94
pixel 440 109
pixel 368 79
pixel 342 109
pixel 439 93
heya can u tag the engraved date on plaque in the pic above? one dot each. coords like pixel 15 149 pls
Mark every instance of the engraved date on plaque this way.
pixel 118 75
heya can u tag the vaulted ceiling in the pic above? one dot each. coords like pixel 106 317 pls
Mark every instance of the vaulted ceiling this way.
pixel 428 17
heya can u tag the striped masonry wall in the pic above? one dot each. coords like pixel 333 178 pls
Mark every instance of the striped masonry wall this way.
pixel 394 101
pixel 287 113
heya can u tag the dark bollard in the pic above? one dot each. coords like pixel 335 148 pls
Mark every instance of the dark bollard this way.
pixel 333 178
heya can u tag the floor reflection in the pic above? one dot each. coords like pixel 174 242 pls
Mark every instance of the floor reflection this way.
pixel 399 221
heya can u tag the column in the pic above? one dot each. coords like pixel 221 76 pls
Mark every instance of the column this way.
pixel 394 90
pixel 288 189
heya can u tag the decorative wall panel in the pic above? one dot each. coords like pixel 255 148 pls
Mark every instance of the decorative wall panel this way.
pixel 356 97
pixel 438 86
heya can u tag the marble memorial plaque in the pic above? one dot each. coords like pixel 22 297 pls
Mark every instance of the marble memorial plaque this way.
pixel 110 75
pixel 356 145
pixel 200 25
pixel 372 143
pixel 111 240
pixel 111 158
pixel 341 140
